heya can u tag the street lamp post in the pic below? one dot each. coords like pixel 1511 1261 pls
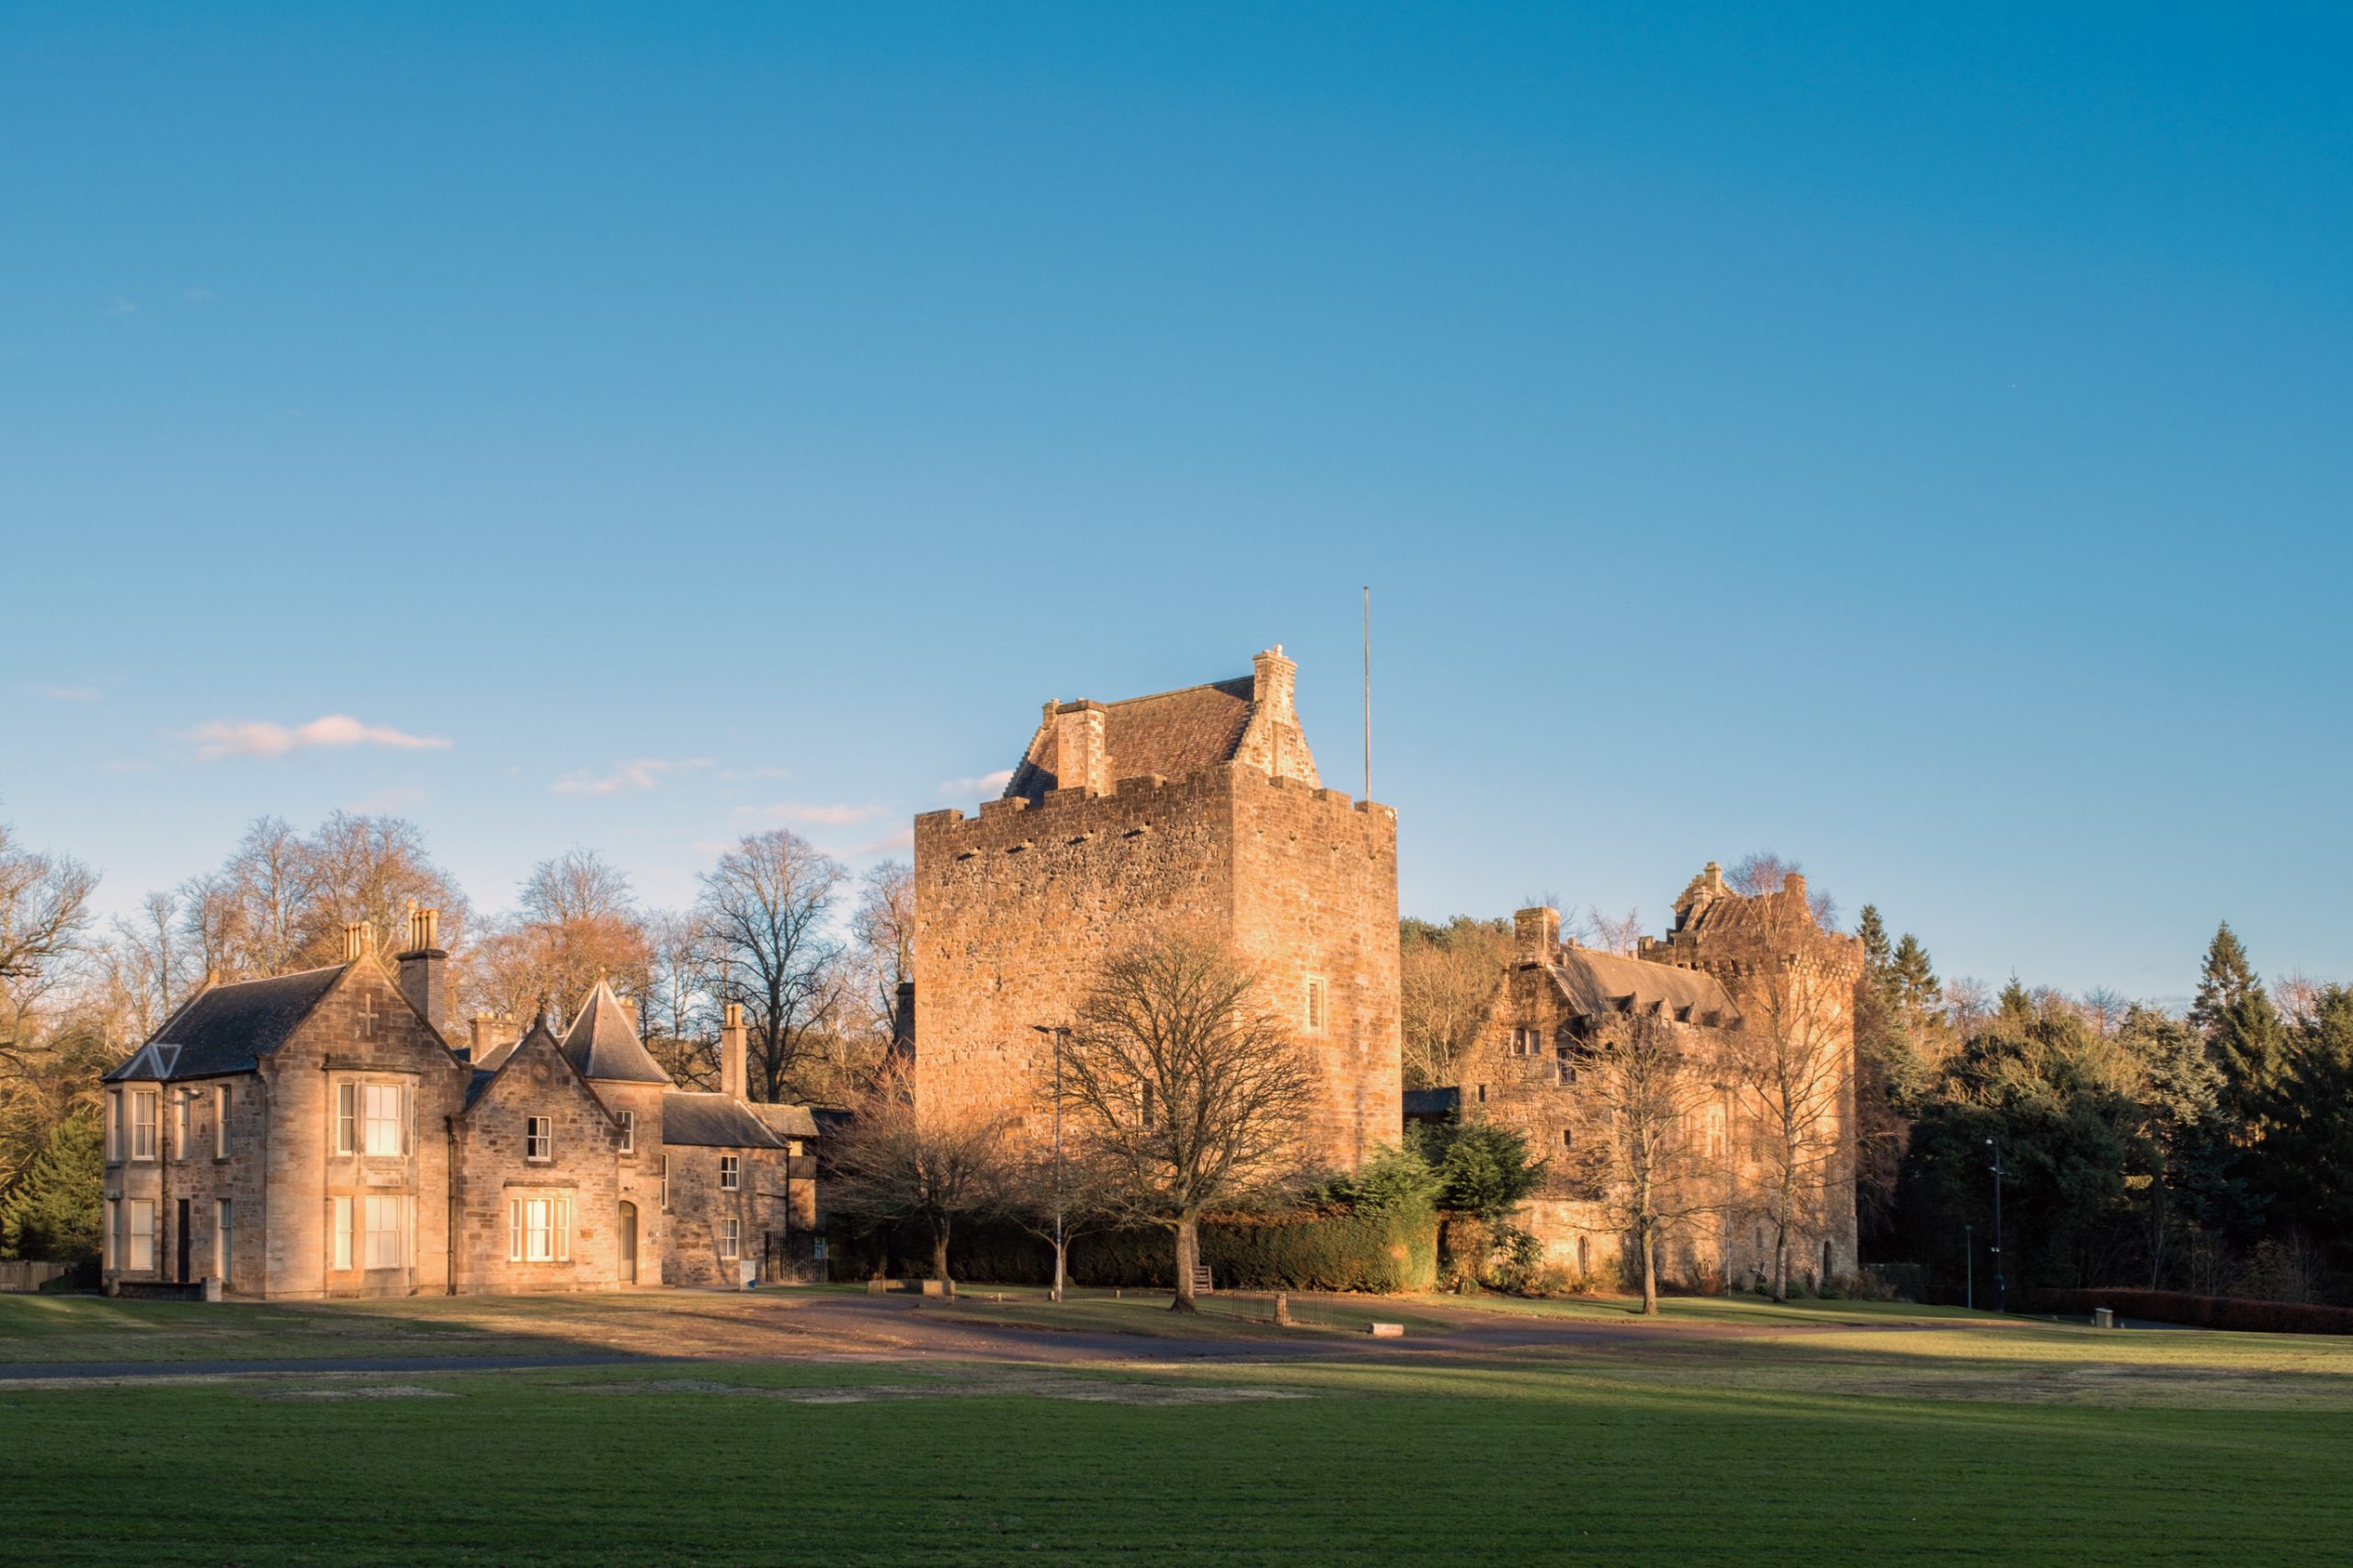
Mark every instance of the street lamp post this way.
pixel 1059 1033
pixel 2000 1283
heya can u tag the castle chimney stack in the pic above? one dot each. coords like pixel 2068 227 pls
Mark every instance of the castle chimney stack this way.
pixel 733 1070
pixel 1536 933
pixel 358 938
pixel 425 968
pixel 1081 760
pixel 486 1033
pixel 1273 678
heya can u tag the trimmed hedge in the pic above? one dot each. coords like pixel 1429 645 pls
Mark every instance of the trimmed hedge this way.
pixel 2202 1311
pixel 1380 1253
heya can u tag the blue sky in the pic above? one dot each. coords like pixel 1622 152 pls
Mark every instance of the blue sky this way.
pixel 1914 442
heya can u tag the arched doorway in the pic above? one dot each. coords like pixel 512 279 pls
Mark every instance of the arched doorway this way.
pixel 629 1244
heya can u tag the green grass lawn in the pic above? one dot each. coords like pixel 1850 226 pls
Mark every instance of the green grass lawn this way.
pixel 1147 1314
pixel 1298 1463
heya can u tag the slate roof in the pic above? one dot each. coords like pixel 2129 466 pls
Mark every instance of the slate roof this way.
pixel 603 1043
pixel 1169 732
pixel 230 1029
pixel 1594 984
pixel 698 1121
pixel 785 1120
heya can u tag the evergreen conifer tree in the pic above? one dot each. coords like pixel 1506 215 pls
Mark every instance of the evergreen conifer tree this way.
pixel 2226 980
pixel 2244 1036
pixel 1915 978
pixel 54 1212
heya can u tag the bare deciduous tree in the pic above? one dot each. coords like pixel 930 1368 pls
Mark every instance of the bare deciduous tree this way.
pixel 1640 1143
pixel 1764 871
pixel 1185 1087
pixel 1792 1080
pixel 363 867
pixel 767 906
pixel 1446 976
pixel 899 1162
pixel 1621 935
pixel 883 927
pixel 576 921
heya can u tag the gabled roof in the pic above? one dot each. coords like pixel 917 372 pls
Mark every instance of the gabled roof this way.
pixel 1594 984
pixel 713 1121
pixel 1169 733
pixel 603 1043
pixel 785 1120
pixel 229 1028
pixel 480 1083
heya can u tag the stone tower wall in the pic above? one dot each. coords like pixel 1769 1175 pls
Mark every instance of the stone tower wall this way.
pixel 1017 909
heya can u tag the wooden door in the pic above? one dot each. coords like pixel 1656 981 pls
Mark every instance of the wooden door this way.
pixel 183 1241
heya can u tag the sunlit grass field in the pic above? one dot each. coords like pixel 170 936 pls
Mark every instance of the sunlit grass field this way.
pixel 1820 1432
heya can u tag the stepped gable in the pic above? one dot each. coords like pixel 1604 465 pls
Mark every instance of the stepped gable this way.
pixel 694 1119
pixel 1169 732
pixel 229 1028
pixel 602 1043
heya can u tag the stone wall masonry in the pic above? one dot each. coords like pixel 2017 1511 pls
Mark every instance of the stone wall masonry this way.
pixel 697 1203
pixel 495 1168
pixel 1017 909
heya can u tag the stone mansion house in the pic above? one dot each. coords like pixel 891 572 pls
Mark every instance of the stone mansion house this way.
pixel 315 1134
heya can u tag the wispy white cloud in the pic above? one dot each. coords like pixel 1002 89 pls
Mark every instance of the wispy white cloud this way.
pixel 199 296
pixel 629 777
pixel 257 738
pixel 119 306
pixel 821 815
pixel 70 693
pixel 986 787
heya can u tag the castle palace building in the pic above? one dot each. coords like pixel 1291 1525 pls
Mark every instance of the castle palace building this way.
pixel 312 1134
pixel 1198 807
pixel 1715 1065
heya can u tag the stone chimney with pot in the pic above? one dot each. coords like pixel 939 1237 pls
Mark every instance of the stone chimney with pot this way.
pixel 425 968
pixel 1273 678
pixel 733 1068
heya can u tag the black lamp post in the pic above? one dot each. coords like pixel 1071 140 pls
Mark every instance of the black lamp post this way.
pixel 1058 1033
pixel 1999 1304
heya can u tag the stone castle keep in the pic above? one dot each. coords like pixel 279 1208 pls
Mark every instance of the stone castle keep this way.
pixel 1199 807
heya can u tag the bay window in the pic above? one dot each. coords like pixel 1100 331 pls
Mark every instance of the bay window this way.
pixel 380 1232
pixel 143 1108
pixel 381 1117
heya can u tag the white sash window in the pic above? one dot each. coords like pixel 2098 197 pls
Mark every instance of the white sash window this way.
pixel 731 1172
pixel 382 1118
pixel 143 1108
pixel 539 1230
pixel 142 1250
pixel 731 1238
pixel 346 1117
pixel 383 1233
pixel 341 1228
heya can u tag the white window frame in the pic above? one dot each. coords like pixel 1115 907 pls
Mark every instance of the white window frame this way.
pixel 180 1115
pixel 221 1234
pixel 347 1116
pixel 115 1123
pixel 383 1231
pixel 539 1230
pixel 383 1120
pixel 731 1172
pixel 628 1132
pixel 145 1104
pixel 729 1232
pixel 665 1184
pixel 109 1244
pixel 221 1122
pixel 539 1139
pixel 142 1238
pixel 340 1226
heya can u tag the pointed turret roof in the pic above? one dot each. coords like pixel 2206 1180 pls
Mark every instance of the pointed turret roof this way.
pixel 602 1043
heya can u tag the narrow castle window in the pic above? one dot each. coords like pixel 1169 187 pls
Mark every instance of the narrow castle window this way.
pixel 1568 1138
pixel 1314 1004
